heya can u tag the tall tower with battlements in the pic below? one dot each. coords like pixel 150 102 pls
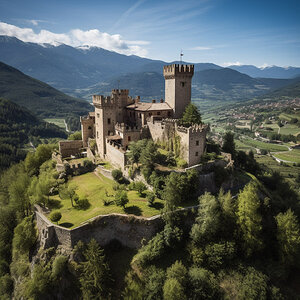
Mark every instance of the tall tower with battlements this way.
pixel 178 86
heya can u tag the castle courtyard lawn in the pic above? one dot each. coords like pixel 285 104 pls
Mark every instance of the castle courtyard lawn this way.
pixel 94 188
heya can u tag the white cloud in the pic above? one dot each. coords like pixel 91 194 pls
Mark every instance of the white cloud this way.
pixel 227 64
pixel 76 38
pixel 265 65
pixel 200 48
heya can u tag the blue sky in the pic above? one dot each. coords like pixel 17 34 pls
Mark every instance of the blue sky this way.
pixel 219 31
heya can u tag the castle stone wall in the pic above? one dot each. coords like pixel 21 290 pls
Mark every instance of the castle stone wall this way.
pixel 128 230
pixel 68 148
pixel 115 156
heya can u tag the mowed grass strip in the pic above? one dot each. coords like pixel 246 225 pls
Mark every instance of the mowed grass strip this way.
pixel 95 189
pixel 290 129
pixel 58 122
pixel 291 156
pixel 267 146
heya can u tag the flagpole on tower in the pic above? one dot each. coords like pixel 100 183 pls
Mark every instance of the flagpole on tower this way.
pixel 181 54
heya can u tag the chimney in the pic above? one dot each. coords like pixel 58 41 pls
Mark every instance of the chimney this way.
pixel 161 100
pixel 153 101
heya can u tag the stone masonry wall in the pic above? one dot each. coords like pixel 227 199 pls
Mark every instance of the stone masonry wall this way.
pixel 128 230
pixel 68 148
pixel 115 156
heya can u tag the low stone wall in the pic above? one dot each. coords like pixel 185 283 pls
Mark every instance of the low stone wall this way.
pixel 105 172
pixel 129 230
pixel 68 148
pixel 115 156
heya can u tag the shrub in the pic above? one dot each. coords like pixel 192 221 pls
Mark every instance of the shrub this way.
pixel 55 216
pixel 121 198
pixel 107 202
pixel 83 204
pixel 117 175
pixel 59 266
pixel 151 198
pixel 181 163
pixel 131 186
pixel 140 187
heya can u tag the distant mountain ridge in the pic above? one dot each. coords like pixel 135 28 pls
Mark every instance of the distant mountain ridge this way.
pixel 84 71
pixel 268 72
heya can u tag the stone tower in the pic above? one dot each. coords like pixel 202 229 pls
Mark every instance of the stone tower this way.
pixel 178 85
pixel 105 120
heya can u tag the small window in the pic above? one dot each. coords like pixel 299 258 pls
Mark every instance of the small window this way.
pixel 140 115
pixel 182 83
pixel 169 114
pixel 108 121
pixel 108 132
pixel 196 154
pixel 150 114
pixel 97 134
pixel 158 113
pixel 197 143
pixel 89 127
pixel 129 138
pixel 98 115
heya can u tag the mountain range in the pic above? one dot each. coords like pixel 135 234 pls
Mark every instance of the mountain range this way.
pixel 38 97
pixel 84 71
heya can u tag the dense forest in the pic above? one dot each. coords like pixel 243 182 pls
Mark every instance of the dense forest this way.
pixel 18 127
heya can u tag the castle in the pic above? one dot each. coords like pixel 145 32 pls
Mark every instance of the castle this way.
pixel 120 119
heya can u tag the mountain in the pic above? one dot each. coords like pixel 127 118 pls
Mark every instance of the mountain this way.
pixel 212 84
pixel 72 69
pixel 38 97
pixel 292 90
pixel 268 72
pixel 18 127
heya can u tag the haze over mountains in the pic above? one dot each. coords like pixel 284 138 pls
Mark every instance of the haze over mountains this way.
pixel 84 71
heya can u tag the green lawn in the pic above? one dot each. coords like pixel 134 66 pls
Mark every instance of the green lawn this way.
pixel 262 145
pixel 292 156
pixel 242 146
pixel 289 117
pixel 58 122
pixel 94 188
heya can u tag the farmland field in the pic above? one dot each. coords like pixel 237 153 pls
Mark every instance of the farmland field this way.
pixel 59 122
pixel 263 145
pixel 291 156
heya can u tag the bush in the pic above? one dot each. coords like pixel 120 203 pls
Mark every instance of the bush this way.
pixel 181 163
pixel 140 187
pixel 83 204
pixel 121 198
pixel 107 202
pixel 151 198
pixel 55 216
pixel 117 175
pixel 59 266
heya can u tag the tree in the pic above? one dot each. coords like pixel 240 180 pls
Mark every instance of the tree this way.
pixel 69 192
pixel 148 158
pixel 208 221
pixel 121 198
pixel 140 187
pixel 288 236
pixel 191 115
pixel 117 175
pixel 95 277
pixel 135 149
pixel 55 216
pixel 179 272
pixel 228 143
pixel 249 218
pixel 173 290
pixel 75 136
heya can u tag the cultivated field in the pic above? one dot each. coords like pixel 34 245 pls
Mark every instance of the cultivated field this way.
pixel 58 122
pixel 291 156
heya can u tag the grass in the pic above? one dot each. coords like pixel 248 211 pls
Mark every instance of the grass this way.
pixel 94 188
pixel 242 146
pixel 291 156
pixel 59 122
pixel 290 129
pixel 289 172
pixel 262 145
pixel 289 117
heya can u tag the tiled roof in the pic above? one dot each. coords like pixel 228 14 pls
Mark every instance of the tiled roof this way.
pixel 143 106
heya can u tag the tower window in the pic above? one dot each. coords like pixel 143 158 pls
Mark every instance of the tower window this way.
pixel 98 115
pixel 158 113
pixel 108 121
pixel 129 138
pixel 182 83
pixel 97 134
pixel 196 154
pixel 108 132
pixel 197 143
pixel 89 127
pixel 169 114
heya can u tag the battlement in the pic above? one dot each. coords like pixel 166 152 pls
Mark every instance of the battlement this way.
pixel 194 129
pixel 175 69
pixel 120 92
pixel 100 101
